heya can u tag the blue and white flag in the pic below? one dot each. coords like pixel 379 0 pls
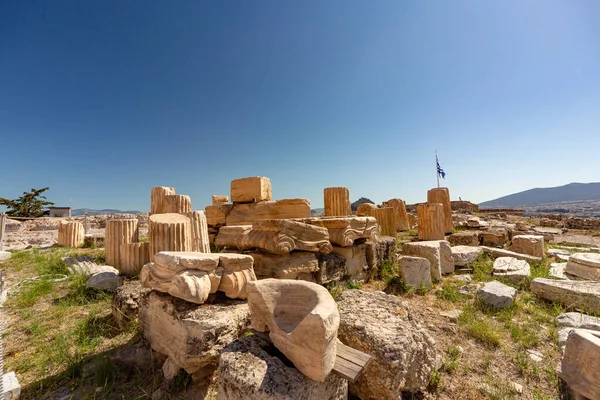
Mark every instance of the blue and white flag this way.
pixel 439 169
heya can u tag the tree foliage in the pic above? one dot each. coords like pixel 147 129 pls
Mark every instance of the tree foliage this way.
pixel 30 204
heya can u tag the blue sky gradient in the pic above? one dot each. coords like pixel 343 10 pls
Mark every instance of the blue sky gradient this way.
pixel 103 100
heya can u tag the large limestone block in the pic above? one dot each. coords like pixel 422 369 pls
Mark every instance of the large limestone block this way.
pixel 302 320
pixel 200 241
pixel 216 215
pixel 416 271
pixel 516 271
pixel 169 232
pixel 495 252
pixel 467 238
pixel 528 244
pixel 584 265
pixel 465 255
pixel 250 369
pixel 251 190
pixel 580 365
pixel 442 196
pixel 379 250
pixel 288 266
pixel 158 201
pixel 247 214
pixel 70 233
pixel 364 209
pixel 496 294
pixel 344 231
pixel 276 236
pixel 496 237
pixel 118 232
pixel 431 221
pixel 356 260
pixel 438 252
pixel 192 336
pixel 384 327
pixel 219 199
pixel 337 202
pixel 399 207
pixel 386 219
pixel 178 203
pixel 566 322
pixel 580 295
pixel 133 257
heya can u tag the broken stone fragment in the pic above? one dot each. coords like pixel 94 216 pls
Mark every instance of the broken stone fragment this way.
pixel 416 271
pixel 302 320
pixel 584 265
pixel 497 294
pixel 528 244
pixel 250 368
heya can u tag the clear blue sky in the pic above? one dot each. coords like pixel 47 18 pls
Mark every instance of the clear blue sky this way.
pixel 102 100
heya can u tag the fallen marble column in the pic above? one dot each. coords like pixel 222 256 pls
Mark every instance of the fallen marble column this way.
pixel 441 195
pixel 431 221
pixel 118 232
pixel 386 219
pixel 178 204
pixel 584 265
pixel 133 257
pixel 169 232
pixel 399 207
pixel 158 201
pixel 302 320
pixel 336 201
pixel 200 240
pixel 70 233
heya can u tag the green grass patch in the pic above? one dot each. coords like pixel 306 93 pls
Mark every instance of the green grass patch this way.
pixel 480 327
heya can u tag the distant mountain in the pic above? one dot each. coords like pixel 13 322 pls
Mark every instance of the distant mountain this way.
pixel 80 211
pixel 570 192
pixel 362 200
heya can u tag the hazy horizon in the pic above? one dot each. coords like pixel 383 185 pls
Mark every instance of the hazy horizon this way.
pixel 102 101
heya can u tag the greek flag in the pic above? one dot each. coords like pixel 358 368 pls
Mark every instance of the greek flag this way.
pixel 439 169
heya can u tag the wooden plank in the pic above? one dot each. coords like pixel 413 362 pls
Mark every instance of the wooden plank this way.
pixel 350 354
pixel 346 369
pixel 349 363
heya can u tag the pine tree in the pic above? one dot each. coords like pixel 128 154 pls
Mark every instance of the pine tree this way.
pixel 30 204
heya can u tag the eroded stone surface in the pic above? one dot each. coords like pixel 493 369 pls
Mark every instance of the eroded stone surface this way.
pixel 287 266
pixel 438 252
pixel 107 281
pixel 580 295
pixel 252 368
pixel 465 255
pixel 191 335
pixel 250 190
pixel 247 214
pixel 497 294
pixel 584 265
pixel 86 266
pixel 125 302
pixel 416 271
pixel 302 320
pixel 573 320
pixel 344 231
pixel 494 237
pixel 528 244
pixel 580 365
pixel 510 268
pixel 495 252
pixel 467 238
pixel 383 326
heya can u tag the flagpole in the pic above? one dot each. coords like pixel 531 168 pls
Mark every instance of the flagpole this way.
pixel 437 173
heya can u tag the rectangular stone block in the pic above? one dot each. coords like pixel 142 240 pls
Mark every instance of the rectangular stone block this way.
pixel 580 366
pixel 288 266
pixel 216 215
pixel 251 190
pixel 356 260
pixel 438 252
pixel 247 214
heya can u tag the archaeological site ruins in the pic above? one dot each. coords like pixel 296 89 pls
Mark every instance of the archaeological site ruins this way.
pixel 274 303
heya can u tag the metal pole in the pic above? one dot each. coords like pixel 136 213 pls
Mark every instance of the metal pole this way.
pixel 2 226
pixel 437 173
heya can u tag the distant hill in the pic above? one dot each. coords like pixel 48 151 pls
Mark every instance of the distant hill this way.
pixel 80 211
pixel 570 192
pixel 362 200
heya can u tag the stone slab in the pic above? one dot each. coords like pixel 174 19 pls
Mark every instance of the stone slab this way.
pixel 580 295
pixel 497 294
pixel 465 255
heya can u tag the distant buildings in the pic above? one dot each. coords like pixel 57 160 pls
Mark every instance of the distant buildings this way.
pixel 60 212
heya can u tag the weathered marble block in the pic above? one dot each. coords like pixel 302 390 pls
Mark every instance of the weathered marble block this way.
pixel 302 320
pixel 251 190
pixel 276 236
pixel 344 231
pixel 247 214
